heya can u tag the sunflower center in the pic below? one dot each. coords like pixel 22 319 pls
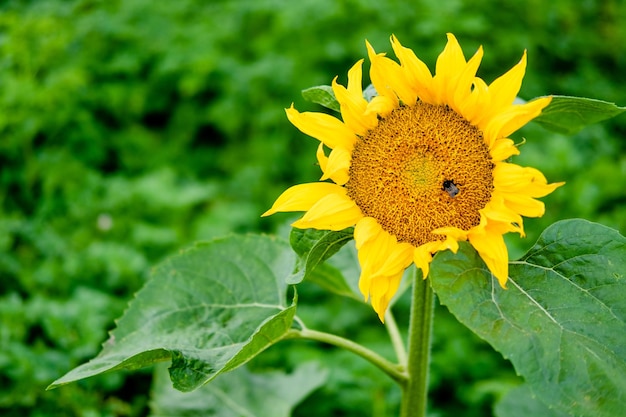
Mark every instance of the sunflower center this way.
pixel 423 167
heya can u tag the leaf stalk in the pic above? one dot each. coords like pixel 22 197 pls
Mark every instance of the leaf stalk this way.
pixel 396 372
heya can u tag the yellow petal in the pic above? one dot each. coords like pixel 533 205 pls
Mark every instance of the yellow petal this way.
pixel 382 291
pixel 398 258
pixel 389 79
pixel 366 230
pixel 510 120
pixel 447 67
pixel 422 256
pixel 509 176
pixel 473 107
pixel 492 249
pixel 332 212
pixel 512 178
pixel 417 73
pixel 498 211
pixel 505 88
pixel 383 261
pixel 540 190
pixel 323 127
pixel 379 252
pixel 495 226
pixel 381 105
pixel 352 104
pixel 449 244
pixel 451 232
pixel 524 205
pixel 503 149
pixel 463 88
pixel 337 166
pixel 355 79
pixel 302 197
pixel 322 159
pixel 514 196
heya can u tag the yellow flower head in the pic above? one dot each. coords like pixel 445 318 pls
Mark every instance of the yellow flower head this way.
pixel 421 166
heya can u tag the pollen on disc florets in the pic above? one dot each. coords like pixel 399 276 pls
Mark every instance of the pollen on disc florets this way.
pixel 423 167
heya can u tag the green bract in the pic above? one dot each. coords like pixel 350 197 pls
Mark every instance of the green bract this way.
pixel 570 114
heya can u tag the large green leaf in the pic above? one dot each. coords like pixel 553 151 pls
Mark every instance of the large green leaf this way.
pixel 521 402
pixel 562 319
pixel 209 310
pixel 568 115
pixel 238 393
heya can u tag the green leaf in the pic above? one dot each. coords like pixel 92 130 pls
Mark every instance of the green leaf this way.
pixel 325 259
pixel 521 402
pixel 562 319
pixel 568 115
pixel 323 95
pixel 313 247
pixel 331 279
pixel 238 393
pixel 210 309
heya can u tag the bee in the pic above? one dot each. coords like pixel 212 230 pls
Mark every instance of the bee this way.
pixel 451 188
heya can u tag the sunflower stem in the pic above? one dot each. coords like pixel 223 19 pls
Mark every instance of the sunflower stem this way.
pixel 415 392
pixel 391 369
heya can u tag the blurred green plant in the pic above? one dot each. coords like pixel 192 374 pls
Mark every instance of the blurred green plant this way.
pixel 129 129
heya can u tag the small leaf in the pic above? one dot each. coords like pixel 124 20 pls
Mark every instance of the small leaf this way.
pixel 323 95
pixel 521 402
pixel 562 319
pixel 210 309
pixel 568 115
pixel 313 247
pixel 331 279
pixel 238 393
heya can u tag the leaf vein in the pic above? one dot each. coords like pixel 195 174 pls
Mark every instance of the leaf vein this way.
pixel 546 312
pixel 567 280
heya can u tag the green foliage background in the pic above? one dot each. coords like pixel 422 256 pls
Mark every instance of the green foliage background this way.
pixel 130 129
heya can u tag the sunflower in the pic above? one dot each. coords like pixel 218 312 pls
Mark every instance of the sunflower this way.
pixel 421 166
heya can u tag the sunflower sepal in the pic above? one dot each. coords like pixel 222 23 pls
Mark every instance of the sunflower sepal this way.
pixel 568 115
pixel 322 95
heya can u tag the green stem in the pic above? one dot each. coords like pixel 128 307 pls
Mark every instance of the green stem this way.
pixel 415 392
pixel 394 371
pixel 396 338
